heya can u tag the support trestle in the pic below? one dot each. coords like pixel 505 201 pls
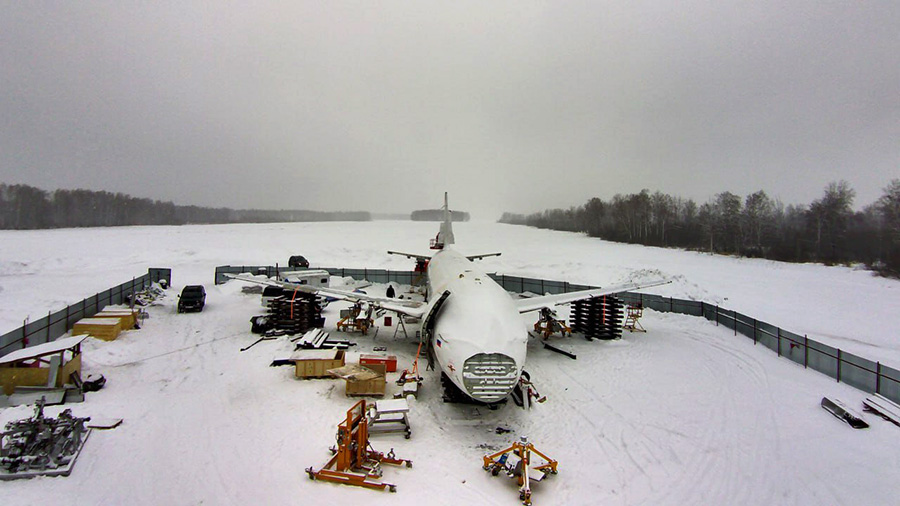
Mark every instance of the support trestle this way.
pixel 355 462
pixel 517 462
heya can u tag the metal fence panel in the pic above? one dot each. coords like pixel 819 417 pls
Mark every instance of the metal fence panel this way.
pixel 59 324
pixel 726 318
pixel 554 287
pixel 768 335
pixel 889 386
pixel 656 303
pixel 746 326
pixel 688 307
pixel 533 286
pixel 157 274
pixel 629 298
pixel 823 358
pixel 859 372
pixel 793 346
pixel 12 341
pixel 711 312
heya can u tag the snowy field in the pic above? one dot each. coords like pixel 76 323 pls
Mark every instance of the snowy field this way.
pixel 685 414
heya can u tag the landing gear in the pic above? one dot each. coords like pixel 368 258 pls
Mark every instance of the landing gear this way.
pixel 525 394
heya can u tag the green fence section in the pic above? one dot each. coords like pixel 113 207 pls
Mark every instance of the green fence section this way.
pixel 858 372
pixel 56 324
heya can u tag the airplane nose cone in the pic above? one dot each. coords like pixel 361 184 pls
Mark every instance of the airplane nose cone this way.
pixel 490 377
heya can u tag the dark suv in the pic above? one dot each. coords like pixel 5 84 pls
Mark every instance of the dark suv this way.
pixel 298 261
pixel 192 298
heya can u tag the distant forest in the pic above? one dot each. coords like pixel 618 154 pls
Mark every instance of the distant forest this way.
pixel 437 215
pixel 25 207
pixel 827 230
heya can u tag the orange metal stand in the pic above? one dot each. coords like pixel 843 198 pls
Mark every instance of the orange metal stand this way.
pixel 547 324
pixel 521 469
pixel 355 462
pixel 632 322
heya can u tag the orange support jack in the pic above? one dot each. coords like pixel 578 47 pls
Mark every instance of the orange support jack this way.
pixel 516 461
pixel 356 319
pixel 355 462
pixel 547 324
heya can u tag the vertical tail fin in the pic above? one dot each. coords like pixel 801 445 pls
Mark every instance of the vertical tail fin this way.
pixel 445 236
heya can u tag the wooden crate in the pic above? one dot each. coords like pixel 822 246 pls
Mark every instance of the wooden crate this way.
pixel 315 363
pixel 127 317
pixel 107 329
pixel 373 387
pixel 18 376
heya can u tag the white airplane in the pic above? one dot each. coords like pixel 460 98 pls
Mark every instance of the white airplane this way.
pixel 471 325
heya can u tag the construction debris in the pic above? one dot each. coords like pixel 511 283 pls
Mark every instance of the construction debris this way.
pixel 516 462
pixel 886 408
pixel 147 297
pixel 254 343
pixel 319 339
pixel 41 446
pixel 842 412
pixel 355 462
pixel 559 350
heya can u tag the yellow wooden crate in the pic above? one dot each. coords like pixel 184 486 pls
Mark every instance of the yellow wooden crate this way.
pixel 315 363
pixel 127 317
pixel 370 387
pixel 107 329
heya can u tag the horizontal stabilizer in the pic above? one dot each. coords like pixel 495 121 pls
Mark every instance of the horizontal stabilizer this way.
pixel 410 255
pixel 479 257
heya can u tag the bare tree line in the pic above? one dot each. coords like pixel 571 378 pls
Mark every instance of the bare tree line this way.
pixel 828 230
pixel 25 207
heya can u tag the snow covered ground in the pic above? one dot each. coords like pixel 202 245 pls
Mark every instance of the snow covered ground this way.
pixel 685 414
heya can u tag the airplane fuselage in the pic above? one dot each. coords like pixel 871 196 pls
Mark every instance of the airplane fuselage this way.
pixel 479 339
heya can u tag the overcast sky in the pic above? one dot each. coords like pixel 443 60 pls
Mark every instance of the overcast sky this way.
pixel 515 106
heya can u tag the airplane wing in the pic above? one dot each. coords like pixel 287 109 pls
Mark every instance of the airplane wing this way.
pixel 479 257
pixel 407 307
pixel 535 303
pixel 410 255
